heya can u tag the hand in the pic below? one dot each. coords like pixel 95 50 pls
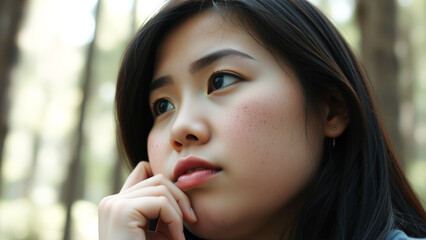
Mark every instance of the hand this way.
pixel 144 197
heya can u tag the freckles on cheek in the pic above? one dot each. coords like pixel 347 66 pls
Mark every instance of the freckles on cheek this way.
pixel 250 128
pixel 238 125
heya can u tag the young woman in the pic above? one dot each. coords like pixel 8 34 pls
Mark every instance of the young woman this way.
pixel 257 123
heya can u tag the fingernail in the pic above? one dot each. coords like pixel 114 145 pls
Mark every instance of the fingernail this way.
pixel 191 211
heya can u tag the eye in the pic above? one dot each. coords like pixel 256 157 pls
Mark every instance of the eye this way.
pixel 219 80
pixel 161 106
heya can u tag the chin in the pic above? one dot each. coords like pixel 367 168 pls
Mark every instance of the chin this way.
pixel 214 215
pixel 215 224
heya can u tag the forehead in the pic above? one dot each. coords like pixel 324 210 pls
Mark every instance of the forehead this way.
pixel 201 26
pixel 205 33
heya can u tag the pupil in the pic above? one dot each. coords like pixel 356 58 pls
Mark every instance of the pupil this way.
pixel 162 107
pixel 218 82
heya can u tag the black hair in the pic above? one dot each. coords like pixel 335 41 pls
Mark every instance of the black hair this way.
pixel 360 191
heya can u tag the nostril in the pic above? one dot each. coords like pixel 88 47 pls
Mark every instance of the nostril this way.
pixel 177 144
pixel 191 137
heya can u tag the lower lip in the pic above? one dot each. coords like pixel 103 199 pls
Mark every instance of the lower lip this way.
pixel 195 179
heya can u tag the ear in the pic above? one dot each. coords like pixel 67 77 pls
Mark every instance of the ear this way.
pixel 336 114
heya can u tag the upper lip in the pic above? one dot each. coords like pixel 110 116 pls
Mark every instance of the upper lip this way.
pixel 190 163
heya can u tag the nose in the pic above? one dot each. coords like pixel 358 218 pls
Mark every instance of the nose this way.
pixel 190 127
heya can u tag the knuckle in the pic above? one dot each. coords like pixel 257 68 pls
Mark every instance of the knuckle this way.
pixel 162 189
pixel 160 178
pixel 111 204
pixel 121 206
pixel 105 203
pixel 163 201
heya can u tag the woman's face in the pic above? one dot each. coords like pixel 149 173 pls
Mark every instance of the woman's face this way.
pixel 226 108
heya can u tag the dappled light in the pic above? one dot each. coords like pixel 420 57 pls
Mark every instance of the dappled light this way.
pixel 64 44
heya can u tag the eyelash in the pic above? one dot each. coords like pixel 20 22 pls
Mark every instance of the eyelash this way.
pixel 155 107
pixel 215 74
pixel 236 77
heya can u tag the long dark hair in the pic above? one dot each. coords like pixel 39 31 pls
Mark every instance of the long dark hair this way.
pixel 361 191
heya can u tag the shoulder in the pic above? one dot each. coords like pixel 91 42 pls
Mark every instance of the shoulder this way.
pixel 399 235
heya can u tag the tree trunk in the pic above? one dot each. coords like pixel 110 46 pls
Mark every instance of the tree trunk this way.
pixel 377 22
pixel 117 171
pixel 11 12
pixel 73 186
pixel 407 84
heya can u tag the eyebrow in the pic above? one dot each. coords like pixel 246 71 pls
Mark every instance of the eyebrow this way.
pixel 199 64
pixel 215 56
pixel 160 82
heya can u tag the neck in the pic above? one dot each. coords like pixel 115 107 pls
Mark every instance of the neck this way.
pixel 281 226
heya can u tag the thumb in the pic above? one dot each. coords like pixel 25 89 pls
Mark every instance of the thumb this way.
pixel 141 172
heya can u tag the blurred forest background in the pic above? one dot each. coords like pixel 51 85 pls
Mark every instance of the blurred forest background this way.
pixel 58 67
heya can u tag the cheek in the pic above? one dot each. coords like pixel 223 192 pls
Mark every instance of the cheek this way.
pixel 267 137
pixel 269 155
pixel 256 127
pixel 157 149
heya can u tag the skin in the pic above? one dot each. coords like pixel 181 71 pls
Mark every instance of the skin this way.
pixel 260 142
pixel 252 127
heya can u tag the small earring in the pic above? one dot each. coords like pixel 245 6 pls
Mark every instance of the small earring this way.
pixel 334 139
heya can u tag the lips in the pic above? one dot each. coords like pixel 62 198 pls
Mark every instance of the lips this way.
pixel 192 171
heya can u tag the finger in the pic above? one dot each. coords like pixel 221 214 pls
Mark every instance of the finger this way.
pixel 160 207
pixel 141 172
pixel 157 235
pixel 163 229
pixel 181 198
pixel 117 221
pixel 154 191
